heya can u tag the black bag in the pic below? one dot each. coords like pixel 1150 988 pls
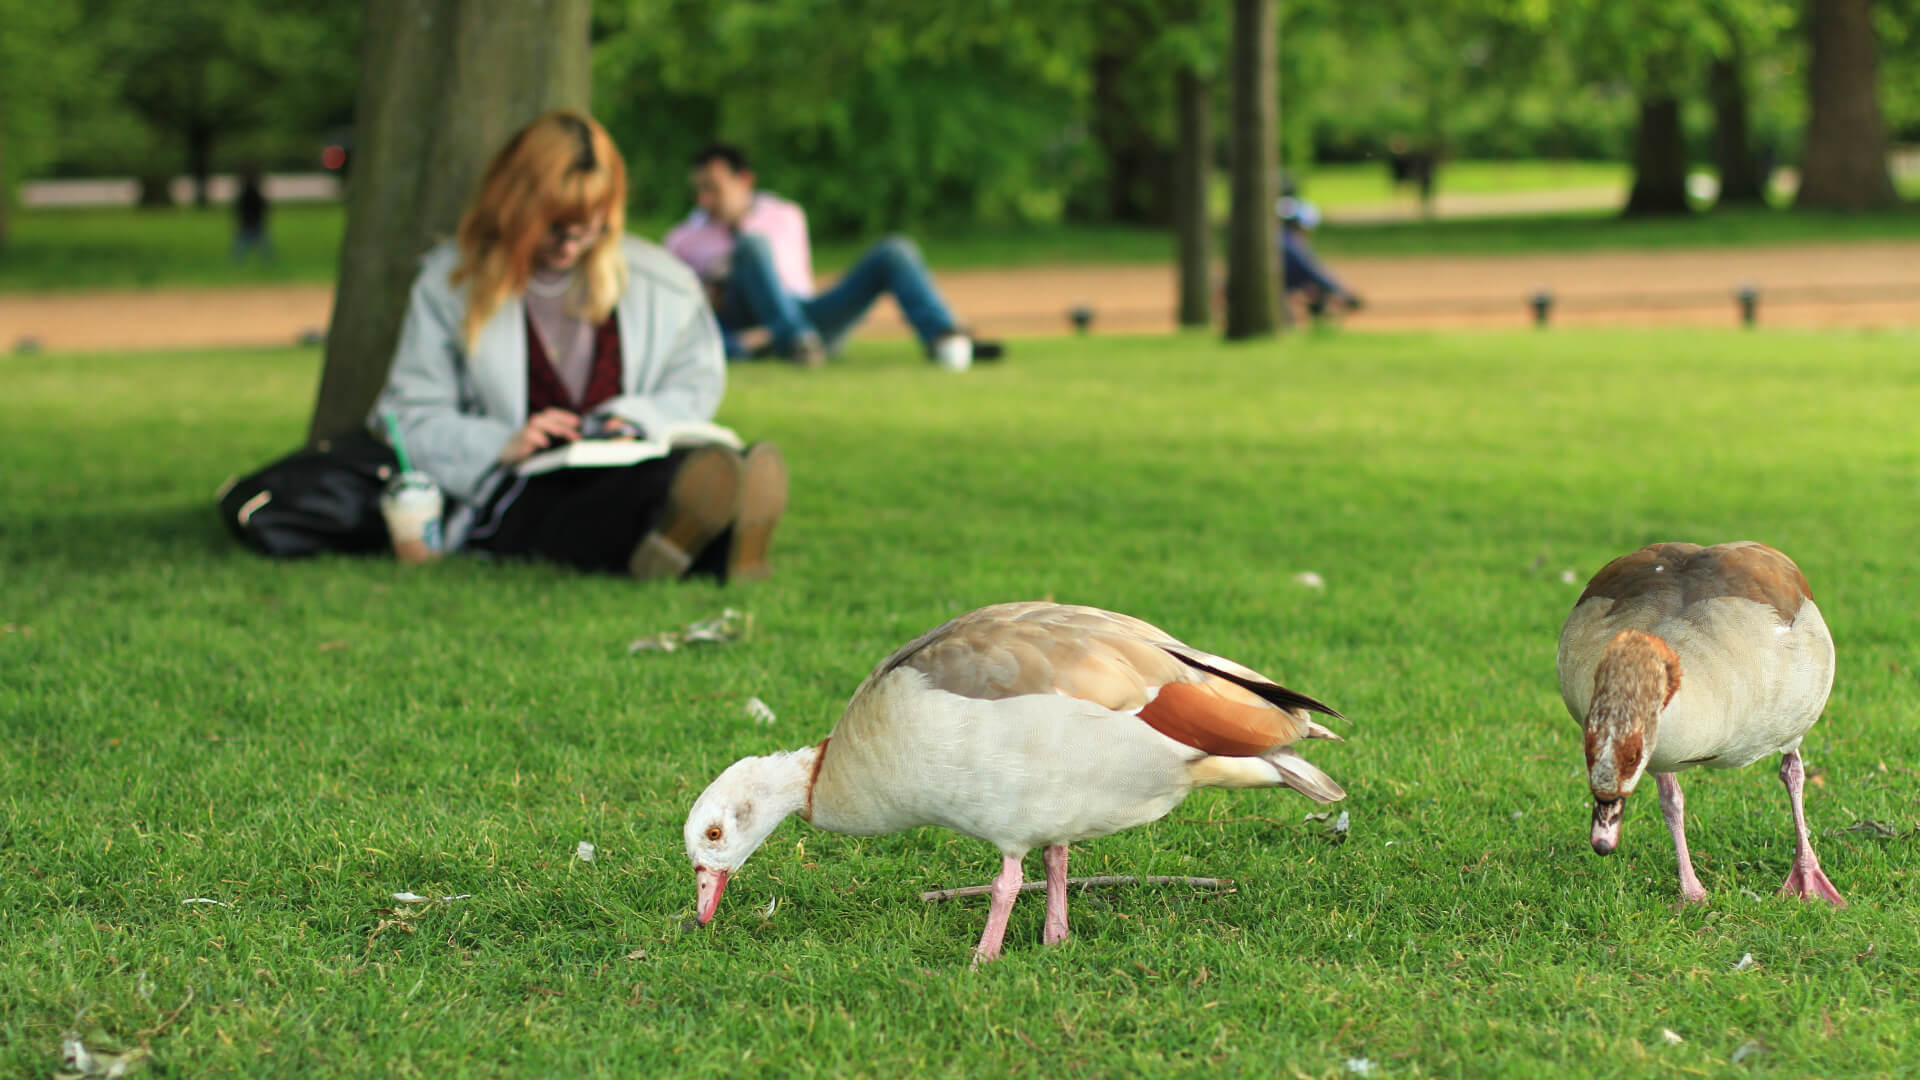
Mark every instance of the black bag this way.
pixel 313 501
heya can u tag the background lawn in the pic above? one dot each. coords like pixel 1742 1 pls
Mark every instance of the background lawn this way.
pixel 299 742
pixel 1368 183
pixel 121 247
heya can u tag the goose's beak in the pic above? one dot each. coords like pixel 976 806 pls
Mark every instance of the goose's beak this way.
pixel 708 885
pixel 1607 814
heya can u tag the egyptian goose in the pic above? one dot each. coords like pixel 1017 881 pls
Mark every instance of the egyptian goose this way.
pixel 1679 655
pixel 1027 725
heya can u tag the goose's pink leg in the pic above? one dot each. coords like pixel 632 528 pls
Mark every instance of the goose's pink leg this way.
pixel 1674 808
pixel 1055 856
pixel 1805 879
pixel 1006 889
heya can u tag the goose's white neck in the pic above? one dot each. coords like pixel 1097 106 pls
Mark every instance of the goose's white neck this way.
pixel 791 777
pixel 776 785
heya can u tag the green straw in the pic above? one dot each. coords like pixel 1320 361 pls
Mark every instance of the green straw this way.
pixel 399 444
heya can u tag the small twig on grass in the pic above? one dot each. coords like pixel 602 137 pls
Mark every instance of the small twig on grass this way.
pixel 167 1020
pixel 1084 883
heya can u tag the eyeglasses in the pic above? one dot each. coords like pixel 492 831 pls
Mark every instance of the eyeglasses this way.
pixel 560 236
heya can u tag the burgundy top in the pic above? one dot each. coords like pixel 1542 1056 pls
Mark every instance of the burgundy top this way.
pixel 546 391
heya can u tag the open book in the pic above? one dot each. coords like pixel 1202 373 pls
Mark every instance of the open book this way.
pixel 591 453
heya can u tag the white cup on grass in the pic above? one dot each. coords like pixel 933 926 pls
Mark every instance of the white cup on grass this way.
pixel 412 505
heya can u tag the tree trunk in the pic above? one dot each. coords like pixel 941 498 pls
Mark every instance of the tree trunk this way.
pixel 156 191
pixel 1253 296
pixel 1138 167
pixel 1192 229
pixel 200 161
pixel 1659 160
pixel 443 83
pixel 1740 181
pixel 1845 165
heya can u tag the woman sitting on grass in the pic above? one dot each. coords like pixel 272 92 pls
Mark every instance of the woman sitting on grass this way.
pixel 541 323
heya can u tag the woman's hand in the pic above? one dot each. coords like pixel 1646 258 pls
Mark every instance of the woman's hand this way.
pixel 544 429
pixel 614 427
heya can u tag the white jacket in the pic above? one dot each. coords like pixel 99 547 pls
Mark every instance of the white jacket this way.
pixel 457 409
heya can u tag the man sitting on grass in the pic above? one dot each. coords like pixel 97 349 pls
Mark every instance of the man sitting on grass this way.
pixel 1301 270
pixel 751 250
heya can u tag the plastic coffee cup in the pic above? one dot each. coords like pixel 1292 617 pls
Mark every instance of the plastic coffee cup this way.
pixel 412 505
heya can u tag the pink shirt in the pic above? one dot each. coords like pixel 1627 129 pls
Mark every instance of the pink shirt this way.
pixel 707 245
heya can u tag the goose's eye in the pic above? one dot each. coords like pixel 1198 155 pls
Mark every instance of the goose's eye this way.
pixel 714 833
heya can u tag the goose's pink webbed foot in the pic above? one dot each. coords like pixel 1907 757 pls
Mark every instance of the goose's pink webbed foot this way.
pixel 1805 880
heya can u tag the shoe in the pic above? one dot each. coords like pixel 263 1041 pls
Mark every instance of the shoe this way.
pixel 702 501
pixel 954 352
pixel 807 351
pixel 988 350
pixel 763 498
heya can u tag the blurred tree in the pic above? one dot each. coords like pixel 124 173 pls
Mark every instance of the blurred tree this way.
pixel 1128 95
pixel 873 115
pixel 1658 47
pixel 443 84
pixel 199 72
pixel 1253 293
pixel 1897 26
pixel 1746 28
pixel 1184 56
pixel 1659 158
pixel 42 63
pixel 1845 163
pixel 1193 180
pixel 190 68
pixel 1741 182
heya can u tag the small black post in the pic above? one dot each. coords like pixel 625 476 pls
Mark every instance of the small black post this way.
pixel 1082 316
pixel 1749 297
pixel 1542 302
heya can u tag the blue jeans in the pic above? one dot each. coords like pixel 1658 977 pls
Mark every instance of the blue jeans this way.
pixel 755 296
pixel 1301 268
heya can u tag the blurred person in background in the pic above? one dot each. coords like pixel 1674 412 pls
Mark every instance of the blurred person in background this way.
pixel 250 217
pixel 1303 274
pixel 751 250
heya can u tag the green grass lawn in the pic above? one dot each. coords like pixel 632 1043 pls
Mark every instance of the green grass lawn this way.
pixel 115 247
pixel 1368 183
pixel 301 741
pixel 1579 232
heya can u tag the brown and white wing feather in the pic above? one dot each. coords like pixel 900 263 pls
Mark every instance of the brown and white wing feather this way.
pixel 1679 592
pixel 1671 578
pixel 1122 663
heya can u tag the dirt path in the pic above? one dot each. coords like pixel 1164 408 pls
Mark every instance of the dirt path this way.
pixel 1859 285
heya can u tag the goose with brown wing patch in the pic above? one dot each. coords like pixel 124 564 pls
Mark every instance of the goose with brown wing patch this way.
pixel 1029 725
pixel 1678 656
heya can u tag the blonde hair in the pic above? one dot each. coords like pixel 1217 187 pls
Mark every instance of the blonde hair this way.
pixel 561 170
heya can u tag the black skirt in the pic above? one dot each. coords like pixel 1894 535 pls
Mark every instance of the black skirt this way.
pixel 587 518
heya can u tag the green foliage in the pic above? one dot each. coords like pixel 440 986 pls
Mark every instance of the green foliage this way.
pixel 1898 23
pixel 43 64
pixel 183 720
pixel 258 80
pixel 870 114
pixel 992 113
